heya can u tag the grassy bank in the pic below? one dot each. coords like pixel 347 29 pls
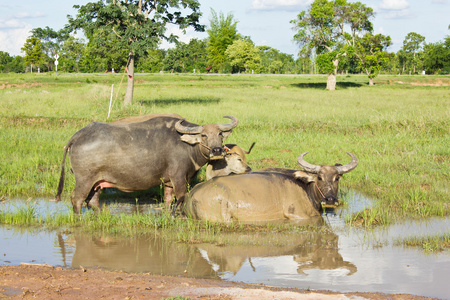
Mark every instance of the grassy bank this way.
pixel 399 129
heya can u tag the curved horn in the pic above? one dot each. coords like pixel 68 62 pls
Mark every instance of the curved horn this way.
pixel 187 129
pixel 348 167
pixel 250 149
pixel 306 165
pixel 229 126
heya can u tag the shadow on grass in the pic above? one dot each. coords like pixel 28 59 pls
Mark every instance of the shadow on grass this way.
pixel 323 85
pixel 167 102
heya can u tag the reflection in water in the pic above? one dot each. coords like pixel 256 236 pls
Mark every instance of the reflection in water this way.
pixel 154 254
pixel 307 250
pixel 149 253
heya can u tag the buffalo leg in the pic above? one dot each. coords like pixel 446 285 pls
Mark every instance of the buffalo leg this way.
pixel 180 199
pixel 168 195
pixel 94 202
pixel 80 194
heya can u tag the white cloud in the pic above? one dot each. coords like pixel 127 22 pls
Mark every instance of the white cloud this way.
pixel 12 41
pixel 182 37
pixel 400 14
pixel 11 24
pixel 27 15
pixel 278 4
pixel 394 4
pixel 395 9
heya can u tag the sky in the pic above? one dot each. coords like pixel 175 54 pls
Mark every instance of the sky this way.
pixel 265 21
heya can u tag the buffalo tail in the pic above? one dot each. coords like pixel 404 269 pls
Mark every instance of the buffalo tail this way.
pixel 62 177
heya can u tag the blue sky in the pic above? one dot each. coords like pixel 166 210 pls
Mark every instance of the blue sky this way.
pixel 265 21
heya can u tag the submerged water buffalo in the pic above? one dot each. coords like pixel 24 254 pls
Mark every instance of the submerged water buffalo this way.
pixel 268 195
pixel 234 162
pixel 138 156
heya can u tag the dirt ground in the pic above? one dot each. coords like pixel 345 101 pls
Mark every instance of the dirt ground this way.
pixel 48 282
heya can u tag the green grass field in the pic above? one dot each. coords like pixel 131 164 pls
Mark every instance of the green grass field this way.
pixel 399 128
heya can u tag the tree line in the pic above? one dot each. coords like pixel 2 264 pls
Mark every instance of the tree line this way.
pixel 334 36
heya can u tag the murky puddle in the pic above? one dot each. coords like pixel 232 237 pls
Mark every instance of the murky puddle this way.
pixel 343 259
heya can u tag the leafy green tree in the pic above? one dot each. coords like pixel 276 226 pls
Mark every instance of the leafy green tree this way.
pixel 243 56
pixel 304 65
pixel 11 64
pixel 5 59
pixel 402 58
pixel 139 25
pixel 221 34
pixel 198 55
pixel 104 53
pixel 412 44
pixel 322 29
pixel 176 59
pixel 17 65
pixel 437 57
pixel 152 62
pixel 51 42
pixel 186 57
pixel 371 53
pixel 71 54
pixel 33 51
pixel 275 62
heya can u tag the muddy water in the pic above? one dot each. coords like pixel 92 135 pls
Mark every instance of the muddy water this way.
pixel 341 259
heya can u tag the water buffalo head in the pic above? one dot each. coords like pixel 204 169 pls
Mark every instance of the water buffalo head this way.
pixel 210 137
pixel 324 178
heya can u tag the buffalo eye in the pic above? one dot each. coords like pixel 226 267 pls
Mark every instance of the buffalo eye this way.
pixel 319 178
pixel 337 178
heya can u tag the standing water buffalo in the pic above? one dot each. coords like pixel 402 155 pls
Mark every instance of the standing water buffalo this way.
pixel 234 162
pixel 138 156
pixel 268 195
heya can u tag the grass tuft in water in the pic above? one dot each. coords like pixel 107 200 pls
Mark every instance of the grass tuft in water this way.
pixel 429 244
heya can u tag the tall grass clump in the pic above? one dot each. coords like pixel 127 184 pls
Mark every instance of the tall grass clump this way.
pixel 23 216
pixel 429 244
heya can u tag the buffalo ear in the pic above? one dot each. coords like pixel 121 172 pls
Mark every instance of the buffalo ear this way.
pixel 191 138
pixel 305 177
pixel 226 134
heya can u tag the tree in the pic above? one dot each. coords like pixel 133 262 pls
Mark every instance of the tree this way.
pixel 412 43
pixel 33 51
pixel 152 62
pixel 322 29
pixel 243 56
pixel 275 62
pixel 51 42
pixel 71 54
pixel 198 55
pixel 139 25
pixel 437 57
pixel 176 59
pixel 104 53
pixel 5 59
pixel 221 34
pixel 402 60
pixel 371 53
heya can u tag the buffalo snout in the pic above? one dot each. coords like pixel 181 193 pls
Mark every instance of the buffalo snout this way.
pixel 217 153
pixel 330 200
